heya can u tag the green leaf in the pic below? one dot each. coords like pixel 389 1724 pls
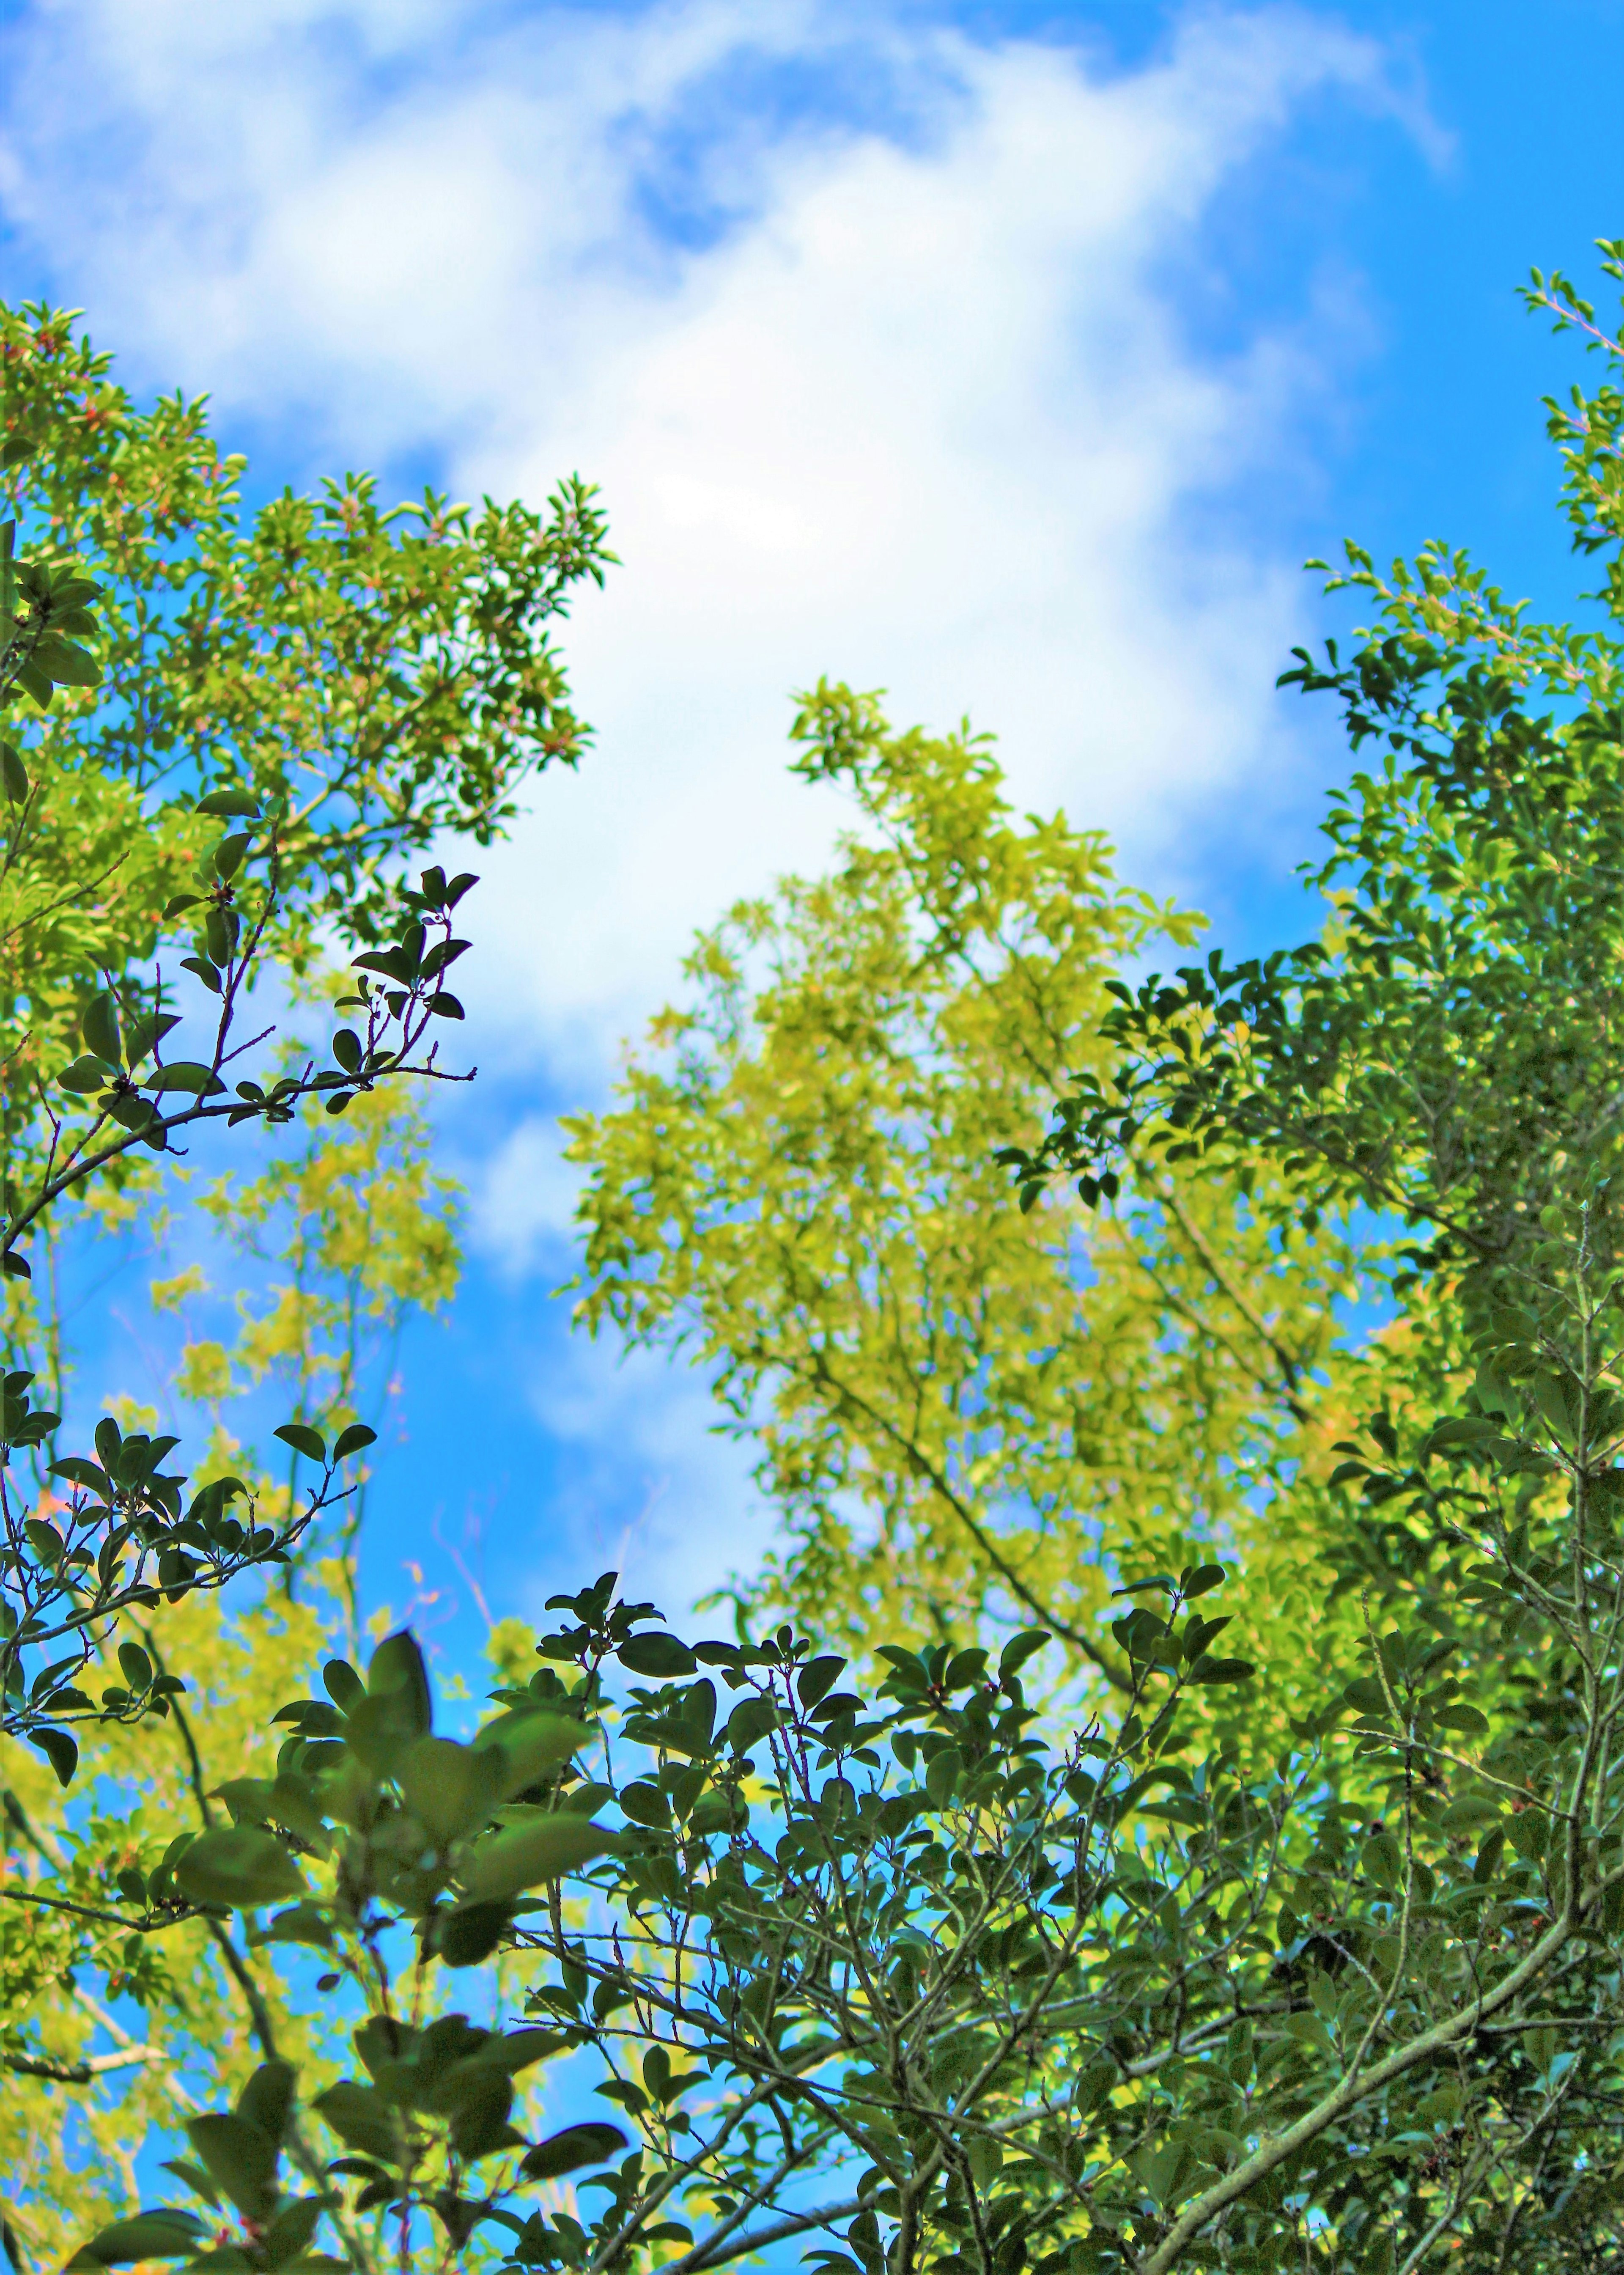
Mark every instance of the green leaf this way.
pixel 517 2050
pixel 526 1855
pixel 816 1679
pixel 482 2096
pixel 99 1026
pixel 1495 1396
pixel 396 1670
pixel 531 1743
pixel 195 2178
pixel 59 1749
pixel 229 801
pixel 186 1075
pixel 1222 1670
pixel 362 2119
pixel 568 2151
pixel 289 2233
pixel 149 2235
pixel 227 858
pixel 657 1653
pixel 67 664
pixel 136 1665
pixel 1469 1811
pixel 342 1684
pixel 749 1723
pixel 1552 1402
pixel 239 2158
pixel 468 1933
pixel 1018 1649
pixel 237 1869
pixel 13 774
pixel 942 1774
pixel 451 1789
pixel 1383 1860
pixel 267 2100
pixel 304 1440
pixel 354 1440
pixel 302 1923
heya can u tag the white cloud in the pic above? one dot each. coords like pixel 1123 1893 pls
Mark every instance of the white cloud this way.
pixel 917 411
pixel 643 1481
pixel 523 1199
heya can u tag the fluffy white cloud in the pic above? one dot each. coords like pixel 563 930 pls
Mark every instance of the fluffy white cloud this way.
pixel 904 395
pixel 642 1482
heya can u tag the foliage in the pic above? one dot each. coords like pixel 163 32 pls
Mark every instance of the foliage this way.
pixel 108 2023
pixel 335 684
pixel 354 1233
pixel 381 676
pixel 959 1411
pixel 1448 1050
pixel 873 1957
pixel 888 1974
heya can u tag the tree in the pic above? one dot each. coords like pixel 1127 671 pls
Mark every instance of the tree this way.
pixel 331 685
pixel 890 1975
pixel 964 1414
pixel 1444 1055
pixel 334 682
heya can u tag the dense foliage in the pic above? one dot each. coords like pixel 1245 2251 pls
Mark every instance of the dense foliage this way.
pixel 960 1411
pixel 1080 1926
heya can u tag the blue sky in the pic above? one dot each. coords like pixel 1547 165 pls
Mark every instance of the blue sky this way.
pixel 1010 357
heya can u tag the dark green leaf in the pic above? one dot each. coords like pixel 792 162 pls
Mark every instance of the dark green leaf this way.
pixel 240 2159
pixel 184 1075
pixel 238 1869
pixel 343 1685
pixel 289 2233
pixel 362 2119
pixel 267 2100
pixel 657 1653
pixel 568 2151
pixel 228 855
pixel 304 1440
pixel 136 1665
pixel 526 1855
pixel 1018 1649
pixel 149 2235
pixel 467 1934
pixel 60 1751
pixel 99 1026
pixel 396 1670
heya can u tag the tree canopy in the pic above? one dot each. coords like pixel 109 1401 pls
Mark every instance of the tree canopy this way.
pixel 1159 1808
